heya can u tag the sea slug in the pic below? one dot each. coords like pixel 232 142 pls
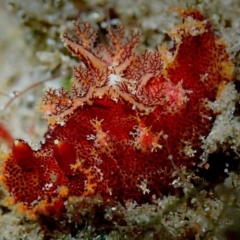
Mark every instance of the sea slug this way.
pixel 126 120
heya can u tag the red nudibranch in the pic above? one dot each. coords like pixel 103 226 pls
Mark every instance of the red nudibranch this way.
pixel 126 115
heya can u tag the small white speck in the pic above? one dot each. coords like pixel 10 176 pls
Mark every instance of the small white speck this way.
pixel 165 136
pixel 113 79
pixel 61 123
pixel 90 137
pixel 13 94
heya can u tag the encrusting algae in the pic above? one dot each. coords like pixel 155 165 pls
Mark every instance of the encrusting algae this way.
pixel 128 122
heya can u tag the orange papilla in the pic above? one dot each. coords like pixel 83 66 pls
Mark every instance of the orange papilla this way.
pixel 23 155
pixel 65 155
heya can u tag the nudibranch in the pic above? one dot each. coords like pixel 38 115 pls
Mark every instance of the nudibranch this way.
pixel 126 120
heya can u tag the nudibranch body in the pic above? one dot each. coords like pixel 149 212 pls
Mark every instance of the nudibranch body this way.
pixel 126 117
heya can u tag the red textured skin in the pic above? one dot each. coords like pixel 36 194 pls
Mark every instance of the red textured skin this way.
pixel 117 164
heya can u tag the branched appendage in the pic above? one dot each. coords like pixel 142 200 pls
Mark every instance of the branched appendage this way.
pixel 121 48
pixel 144 139
pixel 87 35
pixel 116 71
pixel 101 72
pixel 90 77
pixel 101 139
pixel 112 70
pixel 144 67
pixel 56 101
pixel 100 61
pixel 150 87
